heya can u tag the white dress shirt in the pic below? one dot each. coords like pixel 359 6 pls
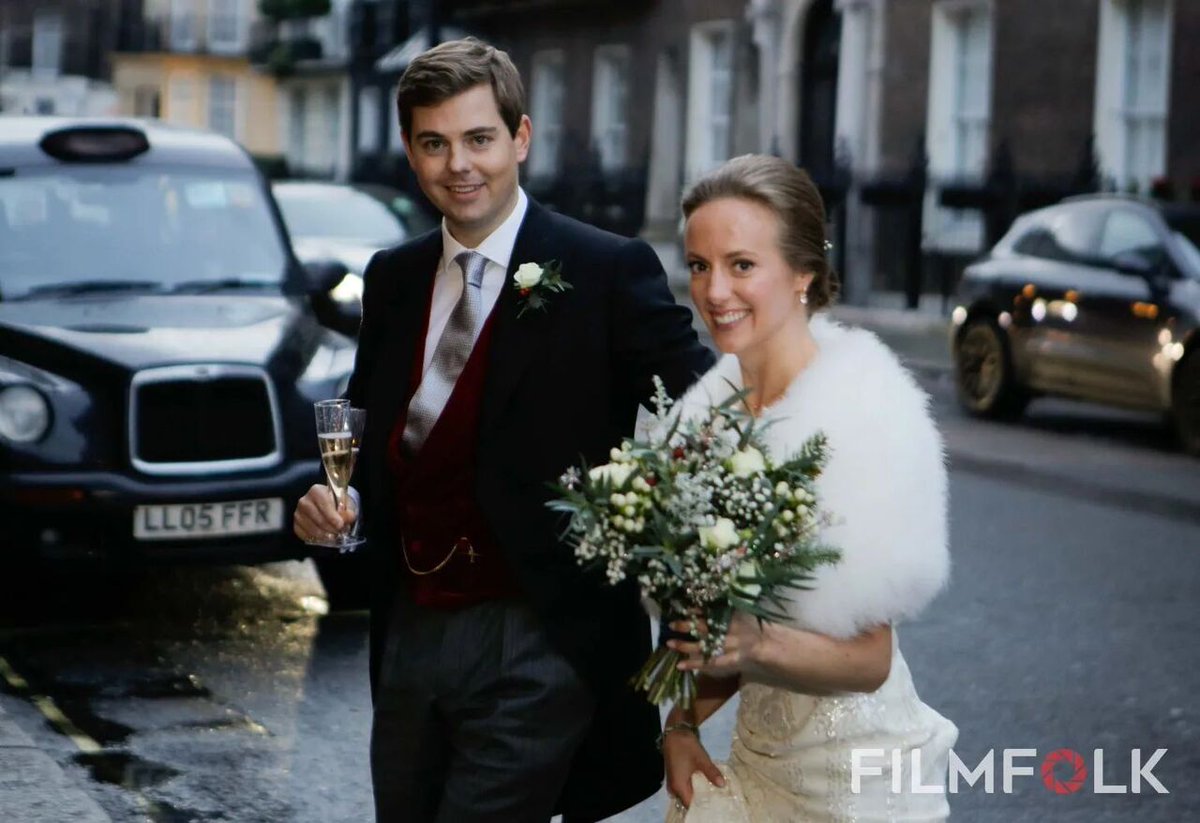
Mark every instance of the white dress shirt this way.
pixel 497 247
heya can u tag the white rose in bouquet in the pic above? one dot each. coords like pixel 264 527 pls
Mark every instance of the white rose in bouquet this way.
pixel 615 473
pixel 747 462
pixel 719 537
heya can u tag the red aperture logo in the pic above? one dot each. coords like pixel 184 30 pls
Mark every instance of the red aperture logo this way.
pixel 1069 758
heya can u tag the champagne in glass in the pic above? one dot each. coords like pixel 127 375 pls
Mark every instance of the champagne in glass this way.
pixel 339 432
pixel 338 453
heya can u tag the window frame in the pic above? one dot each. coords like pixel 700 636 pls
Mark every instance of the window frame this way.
pixel 702 150
pixel 546 112
pixel 611 62
pixel 223 12
pixel 230 82
pixel 47 43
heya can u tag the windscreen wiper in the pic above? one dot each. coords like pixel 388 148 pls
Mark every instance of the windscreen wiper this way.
pixel 91 287
pixel 222 284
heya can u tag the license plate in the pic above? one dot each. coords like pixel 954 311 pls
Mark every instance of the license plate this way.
pixel 189 521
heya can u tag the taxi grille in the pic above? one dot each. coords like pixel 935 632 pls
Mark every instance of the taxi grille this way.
pixel 195 419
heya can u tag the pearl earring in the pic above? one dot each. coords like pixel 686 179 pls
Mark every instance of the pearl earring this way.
pixel 804 298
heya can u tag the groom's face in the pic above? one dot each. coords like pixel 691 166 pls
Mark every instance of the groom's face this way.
pixel 466 161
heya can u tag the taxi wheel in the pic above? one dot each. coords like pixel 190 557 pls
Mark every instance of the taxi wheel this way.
pixel 983 371
pixel 1185 403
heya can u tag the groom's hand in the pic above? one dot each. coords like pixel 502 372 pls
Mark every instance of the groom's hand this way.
pixel 317 516
pixel 683 756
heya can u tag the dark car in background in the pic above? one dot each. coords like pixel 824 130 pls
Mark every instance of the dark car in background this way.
pixel 1096 298
pixel 344 225
pixel 160 352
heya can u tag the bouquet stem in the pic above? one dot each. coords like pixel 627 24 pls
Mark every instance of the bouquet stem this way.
pixel 662 681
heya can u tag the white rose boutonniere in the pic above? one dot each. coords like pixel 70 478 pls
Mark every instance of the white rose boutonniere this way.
pixel 528 275
pixel 535 282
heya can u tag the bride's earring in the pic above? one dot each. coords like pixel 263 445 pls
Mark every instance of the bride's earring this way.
pixel 804 298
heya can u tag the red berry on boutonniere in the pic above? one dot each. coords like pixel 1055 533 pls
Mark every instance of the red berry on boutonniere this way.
pixel 679 453
pixel 525 292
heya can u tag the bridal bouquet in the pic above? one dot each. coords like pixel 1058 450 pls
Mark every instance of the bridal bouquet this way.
pixel 703 521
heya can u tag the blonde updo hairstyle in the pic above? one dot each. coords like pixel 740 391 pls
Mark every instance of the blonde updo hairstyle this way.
pixel 790 193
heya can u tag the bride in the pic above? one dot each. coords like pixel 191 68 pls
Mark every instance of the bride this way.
pixel 832 680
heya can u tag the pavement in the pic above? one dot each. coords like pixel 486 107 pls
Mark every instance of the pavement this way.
pixel 35 788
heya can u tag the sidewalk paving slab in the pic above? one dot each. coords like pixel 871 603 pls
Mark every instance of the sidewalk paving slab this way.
pixel 34 788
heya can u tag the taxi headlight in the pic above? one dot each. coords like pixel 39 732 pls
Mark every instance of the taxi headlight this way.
pixel 24 414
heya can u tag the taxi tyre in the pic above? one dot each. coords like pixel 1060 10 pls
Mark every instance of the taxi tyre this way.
pixel 984 378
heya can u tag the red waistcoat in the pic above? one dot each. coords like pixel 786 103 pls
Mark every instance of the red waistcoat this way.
pixel 436 507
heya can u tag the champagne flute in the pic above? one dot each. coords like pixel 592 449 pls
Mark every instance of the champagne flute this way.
pixel 339 432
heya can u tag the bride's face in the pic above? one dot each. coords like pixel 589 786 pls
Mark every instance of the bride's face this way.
pixel 744 289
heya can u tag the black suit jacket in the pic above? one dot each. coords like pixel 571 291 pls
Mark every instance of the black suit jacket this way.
pixel 562 385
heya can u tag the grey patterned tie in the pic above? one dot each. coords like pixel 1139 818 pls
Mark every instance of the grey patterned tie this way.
pixel 450 356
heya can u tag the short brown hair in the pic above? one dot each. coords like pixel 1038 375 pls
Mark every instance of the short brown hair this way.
pixel 453 67
pixel 790 193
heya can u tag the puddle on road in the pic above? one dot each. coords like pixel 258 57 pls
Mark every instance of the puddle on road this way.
pixel 75 700
pixel 135 774
pixel 125 770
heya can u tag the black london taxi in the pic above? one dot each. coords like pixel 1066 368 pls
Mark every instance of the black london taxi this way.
pixel 1096 298
pixel 160 351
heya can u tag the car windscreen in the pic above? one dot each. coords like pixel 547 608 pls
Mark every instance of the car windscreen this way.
pixel 102 226
pixel 344 214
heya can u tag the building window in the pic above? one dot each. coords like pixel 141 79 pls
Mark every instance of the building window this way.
pixel 146 102
pixel 959 116
pixel 225 25
pixel 710 97
pixel 547 112
pixel 47 43
pixel 181 101
pixel 222 105
pixel 368 119
pixel 1133 83
pixel 610 106
pixel 972 92
pixel 183 24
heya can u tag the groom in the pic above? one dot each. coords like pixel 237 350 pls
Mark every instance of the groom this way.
pixel 499 668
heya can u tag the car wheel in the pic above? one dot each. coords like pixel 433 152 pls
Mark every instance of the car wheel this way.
pixel 346 580
pixel 983 371
pixel 1185 403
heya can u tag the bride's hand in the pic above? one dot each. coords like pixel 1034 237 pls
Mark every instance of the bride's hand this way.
pixel 683 756
pixel 742 642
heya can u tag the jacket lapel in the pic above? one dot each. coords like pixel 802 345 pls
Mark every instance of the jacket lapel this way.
pixel 407 308
pixel 515 340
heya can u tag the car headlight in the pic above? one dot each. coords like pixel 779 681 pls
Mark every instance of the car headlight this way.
pixel 24 414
